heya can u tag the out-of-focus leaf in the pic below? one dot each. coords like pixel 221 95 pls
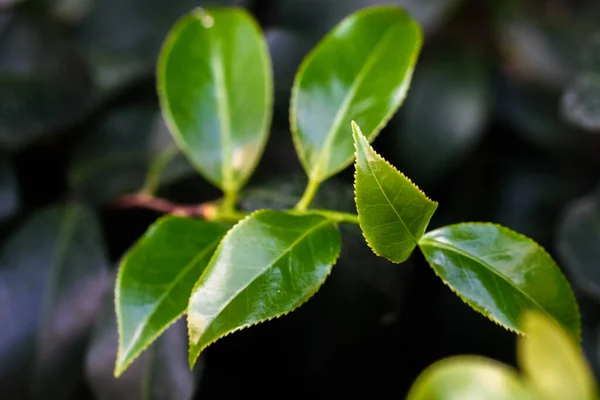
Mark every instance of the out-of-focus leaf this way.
pixel 469 377
pixel 53 276
pixel 44 86
pixel 534 113
pixel 117 156
pixel 160 373
pixel 360 71
pixel 530 192
pixel 6 4
pixel 215 87
pixel 553 361
pixel 156 279
pixel 542 44
pixel 445 113
pixel 266 266
pixel 393 212
pixel 317 17
pixel 581 102
pixel 578 243
pixel 121 39
pixel 9 190
pixel 501 274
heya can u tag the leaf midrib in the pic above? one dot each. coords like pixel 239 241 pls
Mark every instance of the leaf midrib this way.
pixel 266 268
pixel 446 246
pixel 348 99
pixel 224 114
pixel 414 239
pixel 168 290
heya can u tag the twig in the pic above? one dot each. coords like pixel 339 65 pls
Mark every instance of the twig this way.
pixel 142 200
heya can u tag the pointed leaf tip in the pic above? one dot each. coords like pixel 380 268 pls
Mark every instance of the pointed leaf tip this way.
pixel 266 266
pixel 156 279
pixel 501 274
pixel 393 212
pixel 360 71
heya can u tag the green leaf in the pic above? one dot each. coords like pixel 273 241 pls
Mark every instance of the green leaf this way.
pixel 393 212
pixel 500 273
pixel 578 243
pixel 215 88
pixel 266 266
pixel 552 360
pixel 160 373
pixel 122 152
pixel 156 278
pixel 53 277
pixel 469 377
pixel 360 71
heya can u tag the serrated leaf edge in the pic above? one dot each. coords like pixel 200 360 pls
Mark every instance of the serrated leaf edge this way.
pixel 192 360
pixel 358 135
pixel 525 239
pixel 119 370
pixel 404 88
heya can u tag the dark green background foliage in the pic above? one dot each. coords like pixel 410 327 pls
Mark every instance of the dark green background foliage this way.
pixel 501 123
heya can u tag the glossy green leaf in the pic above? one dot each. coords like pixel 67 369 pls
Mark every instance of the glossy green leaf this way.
pixel 500 273
pixel 393 212
pixel 156 278
pixel 215 87
pixel 160 373
pixel 266 266
pixel 121 39
pixel 53 277
pixel 360 71
pixel 469 377
pixel 578 243
pixel 553 361
pixel 129 150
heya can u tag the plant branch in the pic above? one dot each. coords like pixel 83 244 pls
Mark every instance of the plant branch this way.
pixel 143 200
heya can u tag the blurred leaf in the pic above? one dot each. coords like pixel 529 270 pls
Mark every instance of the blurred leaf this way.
pixel 581 102
pixel 543 44
pixel 156 279
pixel 6 4
pixel 117 157
pixel 266 266
pixel 317 17
pixel 393 212
pixel 360 71
pixel 215 86
pixel 44 85
pixel 445 114
pixel 121 39
pixel 53 275
pixel 553 361
pixel 469 377
pixel 578 243
pixel 160 373
pixel 9 190
pixel 534 113
pixel 500 274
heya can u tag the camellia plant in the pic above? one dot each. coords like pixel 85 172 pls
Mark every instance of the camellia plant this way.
pixel 228 269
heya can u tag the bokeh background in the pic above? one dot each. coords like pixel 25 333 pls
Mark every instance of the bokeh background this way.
pixel 502 124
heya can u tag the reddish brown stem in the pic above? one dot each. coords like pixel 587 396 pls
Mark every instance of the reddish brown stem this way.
pixel 140 200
